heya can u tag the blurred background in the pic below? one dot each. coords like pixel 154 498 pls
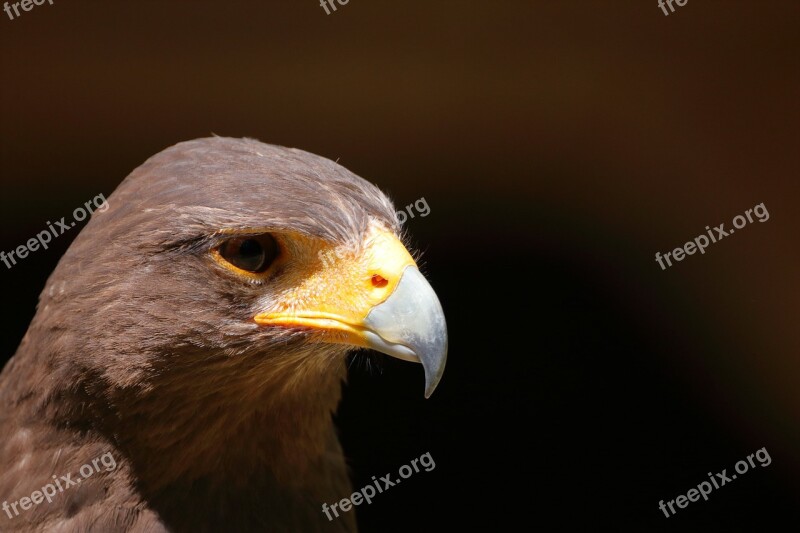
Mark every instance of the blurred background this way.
pixel 559 146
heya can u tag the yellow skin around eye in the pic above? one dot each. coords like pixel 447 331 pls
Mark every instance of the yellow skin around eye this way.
pixel 332 293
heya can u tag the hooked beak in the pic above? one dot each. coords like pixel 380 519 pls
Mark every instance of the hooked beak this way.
pixel 410 325
pixel 376 299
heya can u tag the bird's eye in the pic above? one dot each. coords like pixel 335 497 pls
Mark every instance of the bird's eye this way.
pixel 253 253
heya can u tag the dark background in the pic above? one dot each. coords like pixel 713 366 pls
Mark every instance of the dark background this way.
pixel 559 145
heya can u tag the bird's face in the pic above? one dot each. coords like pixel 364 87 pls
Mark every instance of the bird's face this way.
pixel 259 254
pixel 367 293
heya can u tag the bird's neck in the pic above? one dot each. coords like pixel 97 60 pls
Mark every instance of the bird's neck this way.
pixel 240 424
pixel 224 438
pixel 224 421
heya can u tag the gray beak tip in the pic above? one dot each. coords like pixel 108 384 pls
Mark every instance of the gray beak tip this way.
pixel 429 388
pixel 410 325
pixel 433 374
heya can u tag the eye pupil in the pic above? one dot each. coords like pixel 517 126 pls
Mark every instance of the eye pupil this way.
pixel 253 254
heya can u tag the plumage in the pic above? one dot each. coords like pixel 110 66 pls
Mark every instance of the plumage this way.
pixel 144 348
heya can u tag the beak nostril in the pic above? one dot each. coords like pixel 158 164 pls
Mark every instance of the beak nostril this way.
pixel 379 281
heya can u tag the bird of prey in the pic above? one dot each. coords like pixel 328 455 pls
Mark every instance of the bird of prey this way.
pixel 195 334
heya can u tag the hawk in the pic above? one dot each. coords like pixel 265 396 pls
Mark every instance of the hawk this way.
pixel 195 335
